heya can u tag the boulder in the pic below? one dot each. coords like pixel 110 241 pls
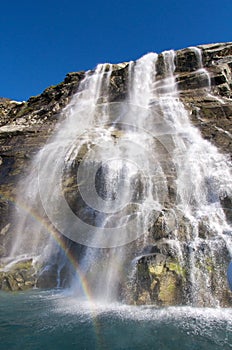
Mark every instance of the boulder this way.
pixel 18 276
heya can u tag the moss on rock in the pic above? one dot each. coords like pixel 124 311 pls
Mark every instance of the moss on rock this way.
pixel 18 276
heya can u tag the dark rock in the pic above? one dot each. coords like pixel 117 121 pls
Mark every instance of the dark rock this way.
pixel 118 83
pixel 160 280
pixel 186 61
pixel 227 207
pixel 48 277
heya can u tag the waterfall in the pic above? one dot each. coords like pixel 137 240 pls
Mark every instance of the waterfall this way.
pixel 112 172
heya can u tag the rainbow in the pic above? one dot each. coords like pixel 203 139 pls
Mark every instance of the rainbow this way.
pixel 59 239
pixel 55 235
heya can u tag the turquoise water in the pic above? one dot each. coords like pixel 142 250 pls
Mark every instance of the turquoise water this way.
pixel 55 320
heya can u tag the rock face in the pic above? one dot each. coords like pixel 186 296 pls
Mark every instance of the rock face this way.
pixel 162 277
pixel 205 88
pixel 210 114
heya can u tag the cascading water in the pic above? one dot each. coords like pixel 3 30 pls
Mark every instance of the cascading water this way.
pixel 112 172
pixel 202 178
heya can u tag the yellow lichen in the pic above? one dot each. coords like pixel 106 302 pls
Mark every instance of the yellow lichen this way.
pixel 156 269
pixel 153 285
pixel 144 298
pixel 22 265
pixel 177 268
pixel 167 293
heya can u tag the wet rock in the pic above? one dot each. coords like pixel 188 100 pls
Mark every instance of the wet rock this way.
pixel 118 84
pixel 48 277
pixel 227 207
pixel 160 281
pixel 186 61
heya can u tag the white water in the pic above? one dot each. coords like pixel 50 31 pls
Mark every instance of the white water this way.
pixel 137 149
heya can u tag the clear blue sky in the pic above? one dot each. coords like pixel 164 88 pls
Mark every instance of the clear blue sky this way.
pixel 42 40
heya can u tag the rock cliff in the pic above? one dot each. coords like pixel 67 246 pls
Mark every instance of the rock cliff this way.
pixel 25 127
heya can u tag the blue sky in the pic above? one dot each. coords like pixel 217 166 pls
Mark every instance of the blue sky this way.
pixel 41 41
